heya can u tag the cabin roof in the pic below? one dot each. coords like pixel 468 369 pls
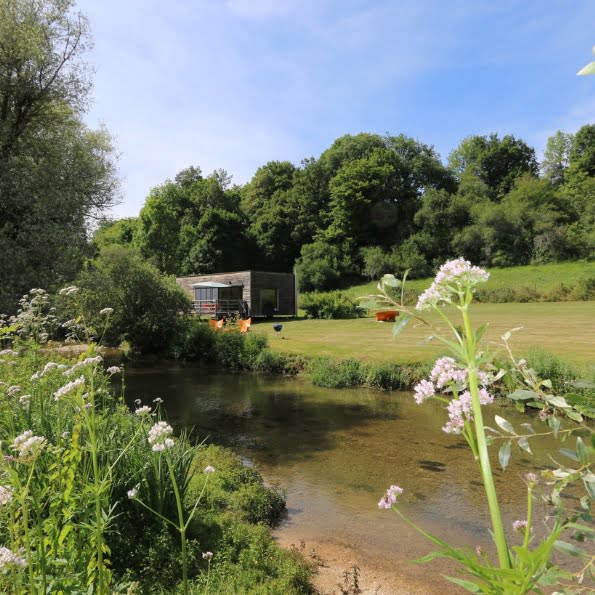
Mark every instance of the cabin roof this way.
pixel 214 284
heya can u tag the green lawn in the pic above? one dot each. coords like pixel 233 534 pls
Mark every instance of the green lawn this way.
pixel 539 277
pixel 565 328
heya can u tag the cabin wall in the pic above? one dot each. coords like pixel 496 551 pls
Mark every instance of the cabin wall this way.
pixel 256 284
pixel 283 283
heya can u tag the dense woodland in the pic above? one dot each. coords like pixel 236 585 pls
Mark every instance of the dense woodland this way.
pixel 367 205
pixel 371 204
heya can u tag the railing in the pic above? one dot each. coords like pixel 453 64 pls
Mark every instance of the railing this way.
pixel 217 307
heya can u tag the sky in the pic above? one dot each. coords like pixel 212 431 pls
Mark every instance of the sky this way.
pixel 233 84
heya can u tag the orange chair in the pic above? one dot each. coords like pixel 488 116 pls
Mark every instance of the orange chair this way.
pixel 245 325
pixel 213 324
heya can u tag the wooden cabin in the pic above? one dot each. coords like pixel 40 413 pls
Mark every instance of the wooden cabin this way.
pixel 242 294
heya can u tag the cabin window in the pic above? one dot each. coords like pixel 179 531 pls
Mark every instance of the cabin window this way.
pixel 269 301
pixel 230 293
pixel 205 294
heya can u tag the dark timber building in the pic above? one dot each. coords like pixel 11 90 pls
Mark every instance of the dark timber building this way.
pixel 247 293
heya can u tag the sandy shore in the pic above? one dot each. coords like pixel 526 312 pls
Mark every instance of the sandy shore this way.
pixel 341 568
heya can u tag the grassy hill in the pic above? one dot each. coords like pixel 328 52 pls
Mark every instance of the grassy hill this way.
pixel 545 279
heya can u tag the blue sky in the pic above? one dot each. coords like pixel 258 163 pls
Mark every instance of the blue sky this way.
pixel 233 84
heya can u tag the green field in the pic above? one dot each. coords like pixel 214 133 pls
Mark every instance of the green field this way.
pixel 542 278
pixel 564 328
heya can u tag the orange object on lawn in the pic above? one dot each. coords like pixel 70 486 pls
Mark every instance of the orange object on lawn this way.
pixel 387 315
pixel 245 325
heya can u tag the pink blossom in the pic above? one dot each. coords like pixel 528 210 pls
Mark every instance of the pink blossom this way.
pixel 390 497
pixel 520 526
pixel 423 390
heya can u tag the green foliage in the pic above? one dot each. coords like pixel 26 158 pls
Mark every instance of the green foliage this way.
pixel 333 304
pixel 55 172
pixel 330 373
pixel 146 304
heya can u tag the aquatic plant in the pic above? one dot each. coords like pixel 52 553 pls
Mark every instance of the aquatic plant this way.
pixel 462 382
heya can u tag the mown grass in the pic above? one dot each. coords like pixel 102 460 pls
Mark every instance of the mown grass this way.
pixel 542 278
pixel 564 328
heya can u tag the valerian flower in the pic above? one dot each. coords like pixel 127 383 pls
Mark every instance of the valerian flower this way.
pixel 520 526
pixel 89 361
pixel 113 370
pixel 133 493
pixel 146 410
pixel 207 555
pixel 106 311
pixel 160 436
pixel 69 387
pixel 69 290
pixel 5 495
pixel 423 390
pixel 390 497
pixel 453 279
pixel 209 469
pixel 28 445
pixel 8 558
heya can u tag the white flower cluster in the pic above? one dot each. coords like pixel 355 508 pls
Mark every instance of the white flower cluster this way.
pixel 5 495
pixel 8 558
pixel 146 410
pixel 113 370
pixel 69 290
pixel 28 445
pixel 106 311
pixel 160 436
pixel 69 387
pixel 13 390
pixel 454 277
pixel 390 497
pixel 8 352
pixel 89 361
pixel 48 368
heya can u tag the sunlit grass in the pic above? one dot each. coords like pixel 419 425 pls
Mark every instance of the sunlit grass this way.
pixel 564 328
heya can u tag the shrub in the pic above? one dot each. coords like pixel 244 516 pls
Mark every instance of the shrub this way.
pixel 336 373
pixel 330 305
pixel 194 340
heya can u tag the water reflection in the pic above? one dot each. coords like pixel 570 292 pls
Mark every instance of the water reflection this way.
pixel 335 452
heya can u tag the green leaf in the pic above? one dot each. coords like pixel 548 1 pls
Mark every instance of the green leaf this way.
pixel 554 424
pixel 401 324
pixel 528 427
pixel 558 402
pixel 547 383
pixel 582 384
pixel 524 444
pixel 586 70
pixel 583 453
pixel 504 454
pixel 480 332
pixel 390 280
pixel 522 394
pixel 568 548
pixel 505 425
pixel 575 415
pixel 467 585
pixel 569 453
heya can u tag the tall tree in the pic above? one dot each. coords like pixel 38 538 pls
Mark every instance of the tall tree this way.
pixel 556 158
pixel 55 173
pixel 496 161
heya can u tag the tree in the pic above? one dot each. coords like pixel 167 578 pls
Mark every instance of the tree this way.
pixel 495 161
pixel 55 173
pixel 582 153
pixel 556 158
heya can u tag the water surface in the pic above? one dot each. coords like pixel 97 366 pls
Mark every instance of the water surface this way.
pixel 336 451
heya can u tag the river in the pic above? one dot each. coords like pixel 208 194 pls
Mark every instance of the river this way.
pixel 335 452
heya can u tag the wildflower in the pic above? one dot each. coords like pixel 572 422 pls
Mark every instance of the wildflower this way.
pixel 13 390
pixel 207 555
pixel 424 390
pixel 67 388
pixel 143 410
pixel 106 311
pixel 24 400
pixel 9 558
pixel 522 363
pixel 390 497
pixel 28 445
pixel 66 435
pixel 520 526
pixel 158 401
pixel 160 436
pixel 113 370
pixel 5 495
pixel 531 478
pixel 8 352
pixel 88 406
pixel 137 401
pixel 132 493
pixel 446 372
pixel 209 469
pixel 454 278
pixel 86 362
pixel 69 290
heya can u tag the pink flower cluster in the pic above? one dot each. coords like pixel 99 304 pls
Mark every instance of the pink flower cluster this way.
pixel 390 497
pixel 9 558
pixel 453 277
pixel 520 526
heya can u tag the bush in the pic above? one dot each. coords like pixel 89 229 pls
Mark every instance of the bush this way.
pixel 330 305
pixel 194 340
pixel 146 304
pixel 336 373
